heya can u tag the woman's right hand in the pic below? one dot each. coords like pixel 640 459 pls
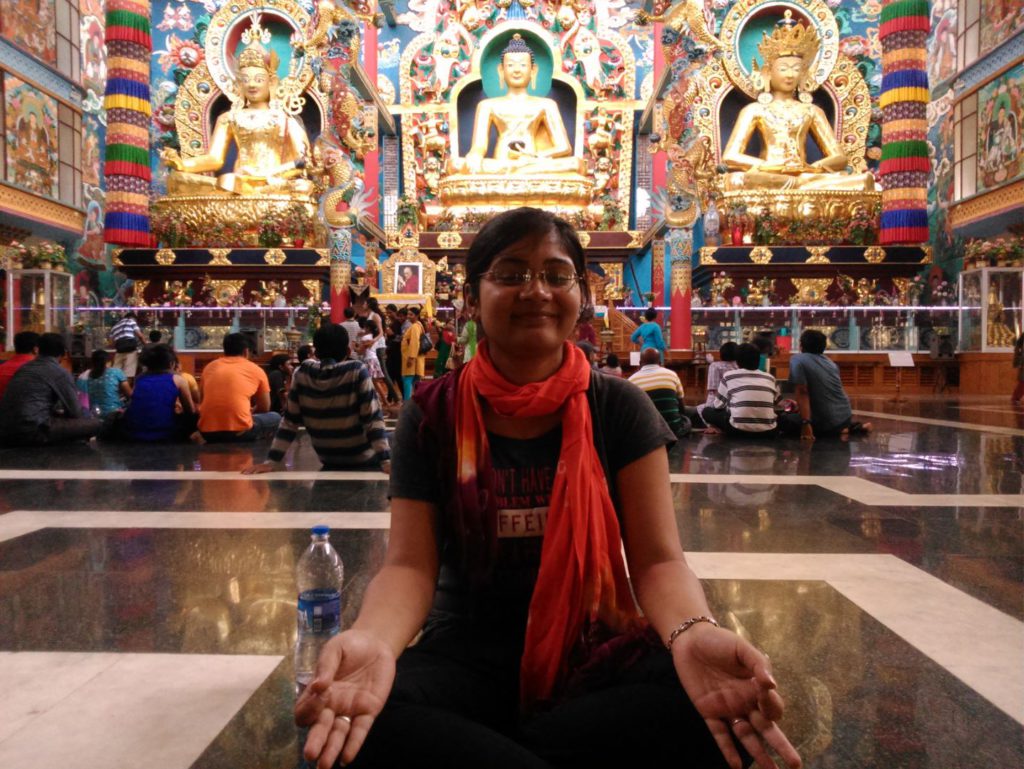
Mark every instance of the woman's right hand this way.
pixel 354 676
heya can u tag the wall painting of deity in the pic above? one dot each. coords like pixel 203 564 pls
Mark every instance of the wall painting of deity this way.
pixel 1000 20
pixel 31 25
pixel 1001 129
pixel 30 119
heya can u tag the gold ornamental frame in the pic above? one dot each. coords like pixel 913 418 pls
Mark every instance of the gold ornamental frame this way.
pixel 428 271
pixel 214 75
pixel 623 109
pixel 836 74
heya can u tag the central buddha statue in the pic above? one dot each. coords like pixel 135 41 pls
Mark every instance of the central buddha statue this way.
pixel 533 162
pixel 531 135
pixel 272 145
pixel 785 117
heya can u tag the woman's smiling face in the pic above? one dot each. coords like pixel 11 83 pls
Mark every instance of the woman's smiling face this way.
pixel 531 321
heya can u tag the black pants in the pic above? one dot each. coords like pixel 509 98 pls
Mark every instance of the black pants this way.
pixel 450 708
pixel 720 418
pixel 60 430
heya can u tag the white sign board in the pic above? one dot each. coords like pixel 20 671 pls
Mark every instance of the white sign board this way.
pixel 901 360
pixel 634 358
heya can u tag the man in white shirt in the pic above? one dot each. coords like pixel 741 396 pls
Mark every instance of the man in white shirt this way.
pixel 663 387
pixel 746 399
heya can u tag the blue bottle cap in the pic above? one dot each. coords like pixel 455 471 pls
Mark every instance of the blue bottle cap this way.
pixel 320 529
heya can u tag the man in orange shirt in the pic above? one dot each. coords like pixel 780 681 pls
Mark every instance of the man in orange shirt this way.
pixel 236 397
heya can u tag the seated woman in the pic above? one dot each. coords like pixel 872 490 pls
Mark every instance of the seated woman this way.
pixel 107 387
pixel 161 408
pixel 506 552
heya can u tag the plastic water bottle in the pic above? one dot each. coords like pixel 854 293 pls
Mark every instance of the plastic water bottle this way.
pixel 319 578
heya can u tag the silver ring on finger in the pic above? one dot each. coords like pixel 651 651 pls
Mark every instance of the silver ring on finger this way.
pixel 346 719
pixel 736 721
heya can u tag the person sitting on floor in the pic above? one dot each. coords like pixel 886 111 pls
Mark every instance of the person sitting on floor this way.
pixel 107 387
pixel 26 347
pixel 612 366
pixel 726 362
pixel 746 399
pixel 824 408
pixel 279 374
pixel 663 387
pixel 40 406
pixel 335 399
pixel 161 408
pixel 236 397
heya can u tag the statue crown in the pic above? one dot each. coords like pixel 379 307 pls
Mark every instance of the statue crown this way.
pixel 789 38
pixel 255 54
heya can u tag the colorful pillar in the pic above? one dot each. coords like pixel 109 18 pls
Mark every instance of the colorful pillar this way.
pixel 678 246
pixel 371 160
pixel 341 271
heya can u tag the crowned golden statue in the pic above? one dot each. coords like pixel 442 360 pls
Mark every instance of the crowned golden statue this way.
pixel 785 117
pixel 533 161
pixel 272 145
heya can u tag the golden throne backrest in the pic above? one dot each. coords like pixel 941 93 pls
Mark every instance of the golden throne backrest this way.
pixel 199 93
pixel 845 86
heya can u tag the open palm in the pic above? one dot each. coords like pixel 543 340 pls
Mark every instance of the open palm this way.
pixel 730 684
pixel 354 676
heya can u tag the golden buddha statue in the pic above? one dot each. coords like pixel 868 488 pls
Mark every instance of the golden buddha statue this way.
pixel 272 145
pixel 784 116
pixel 533 161
pixel 531 134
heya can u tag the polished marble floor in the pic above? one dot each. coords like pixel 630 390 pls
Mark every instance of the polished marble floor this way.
pixel 147 598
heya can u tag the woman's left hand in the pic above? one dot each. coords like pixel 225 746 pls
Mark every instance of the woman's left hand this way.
pixel 731 685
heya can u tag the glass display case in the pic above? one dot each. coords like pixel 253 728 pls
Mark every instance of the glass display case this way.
pixel 202 329
pixel 858 328
pixel 37 300
pixel 991 314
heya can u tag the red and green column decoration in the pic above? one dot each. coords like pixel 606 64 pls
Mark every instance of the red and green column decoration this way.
pixel 905 166
pixel 127 104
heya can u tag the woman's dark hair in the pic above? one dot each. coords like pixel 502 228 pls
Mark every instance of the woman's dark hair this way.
pixel 304 352
pixel 374 306
pixel 98 363
pixel 727 351
pixel 650 314
pixel 612 361
pixel 509 228
pixel 158 359
pixel 278 360
pixel 370 327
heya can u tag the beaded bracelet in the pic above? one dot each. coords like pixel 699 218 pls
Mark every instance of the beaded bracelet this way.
pixel 684 626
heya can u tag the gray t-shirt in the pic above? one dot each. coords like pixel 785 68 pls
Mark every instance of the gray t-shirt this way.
pixel 830 407
pixel 627 427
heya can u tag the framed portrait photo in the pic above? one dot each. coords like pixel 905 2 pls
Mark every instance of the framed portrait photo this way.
pixel 408 278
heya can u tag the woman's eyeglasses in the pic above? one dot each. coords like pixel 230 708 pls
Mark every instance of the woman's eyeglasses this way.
pixel 557 278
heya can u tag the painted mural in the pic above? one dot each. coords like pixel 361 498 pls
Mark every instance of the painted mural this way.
pixel 30 24
pixel 942 42
pixel 94 76
pixel 1001 129
pixel 940 191
pixel 1000 20
pixel 30 124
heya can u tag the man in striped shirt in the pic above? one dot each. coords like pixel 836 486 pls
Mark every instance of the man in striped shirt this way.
pixel 662 386
pixel 126 337
pixel 334 398
pixel 746 399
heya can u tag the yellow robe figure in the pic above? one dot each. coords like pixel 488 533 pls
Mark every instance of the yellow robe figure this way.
pixel 413 364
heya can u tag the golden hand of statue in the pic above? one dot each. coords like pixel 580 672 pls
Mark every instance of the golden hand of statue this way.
pixel 172 159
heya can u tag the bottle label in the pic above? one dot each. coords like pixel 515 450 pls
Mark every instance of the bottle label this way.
pixel 319 612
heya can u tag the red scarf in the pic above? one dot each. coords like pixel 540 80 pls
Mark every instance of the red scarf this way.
pixel 582 575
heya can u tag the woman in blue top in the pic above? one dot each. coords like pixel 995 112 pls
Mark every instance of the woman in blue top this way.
pixel 649 334
pixel 154 413
pixel 105 386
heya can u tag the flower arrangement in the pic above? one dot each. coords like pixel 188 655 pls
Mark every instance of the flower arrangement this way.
pixel 943 293
pixel 1000 252
pixel 860 229
pixel 720 283
pixel 43 255
pixel 270 233
pixel 315 314
pixel 916 289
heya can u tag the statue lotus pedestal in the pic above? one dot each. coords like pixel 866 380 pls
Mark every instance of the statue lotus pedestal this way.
pixel 561 194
